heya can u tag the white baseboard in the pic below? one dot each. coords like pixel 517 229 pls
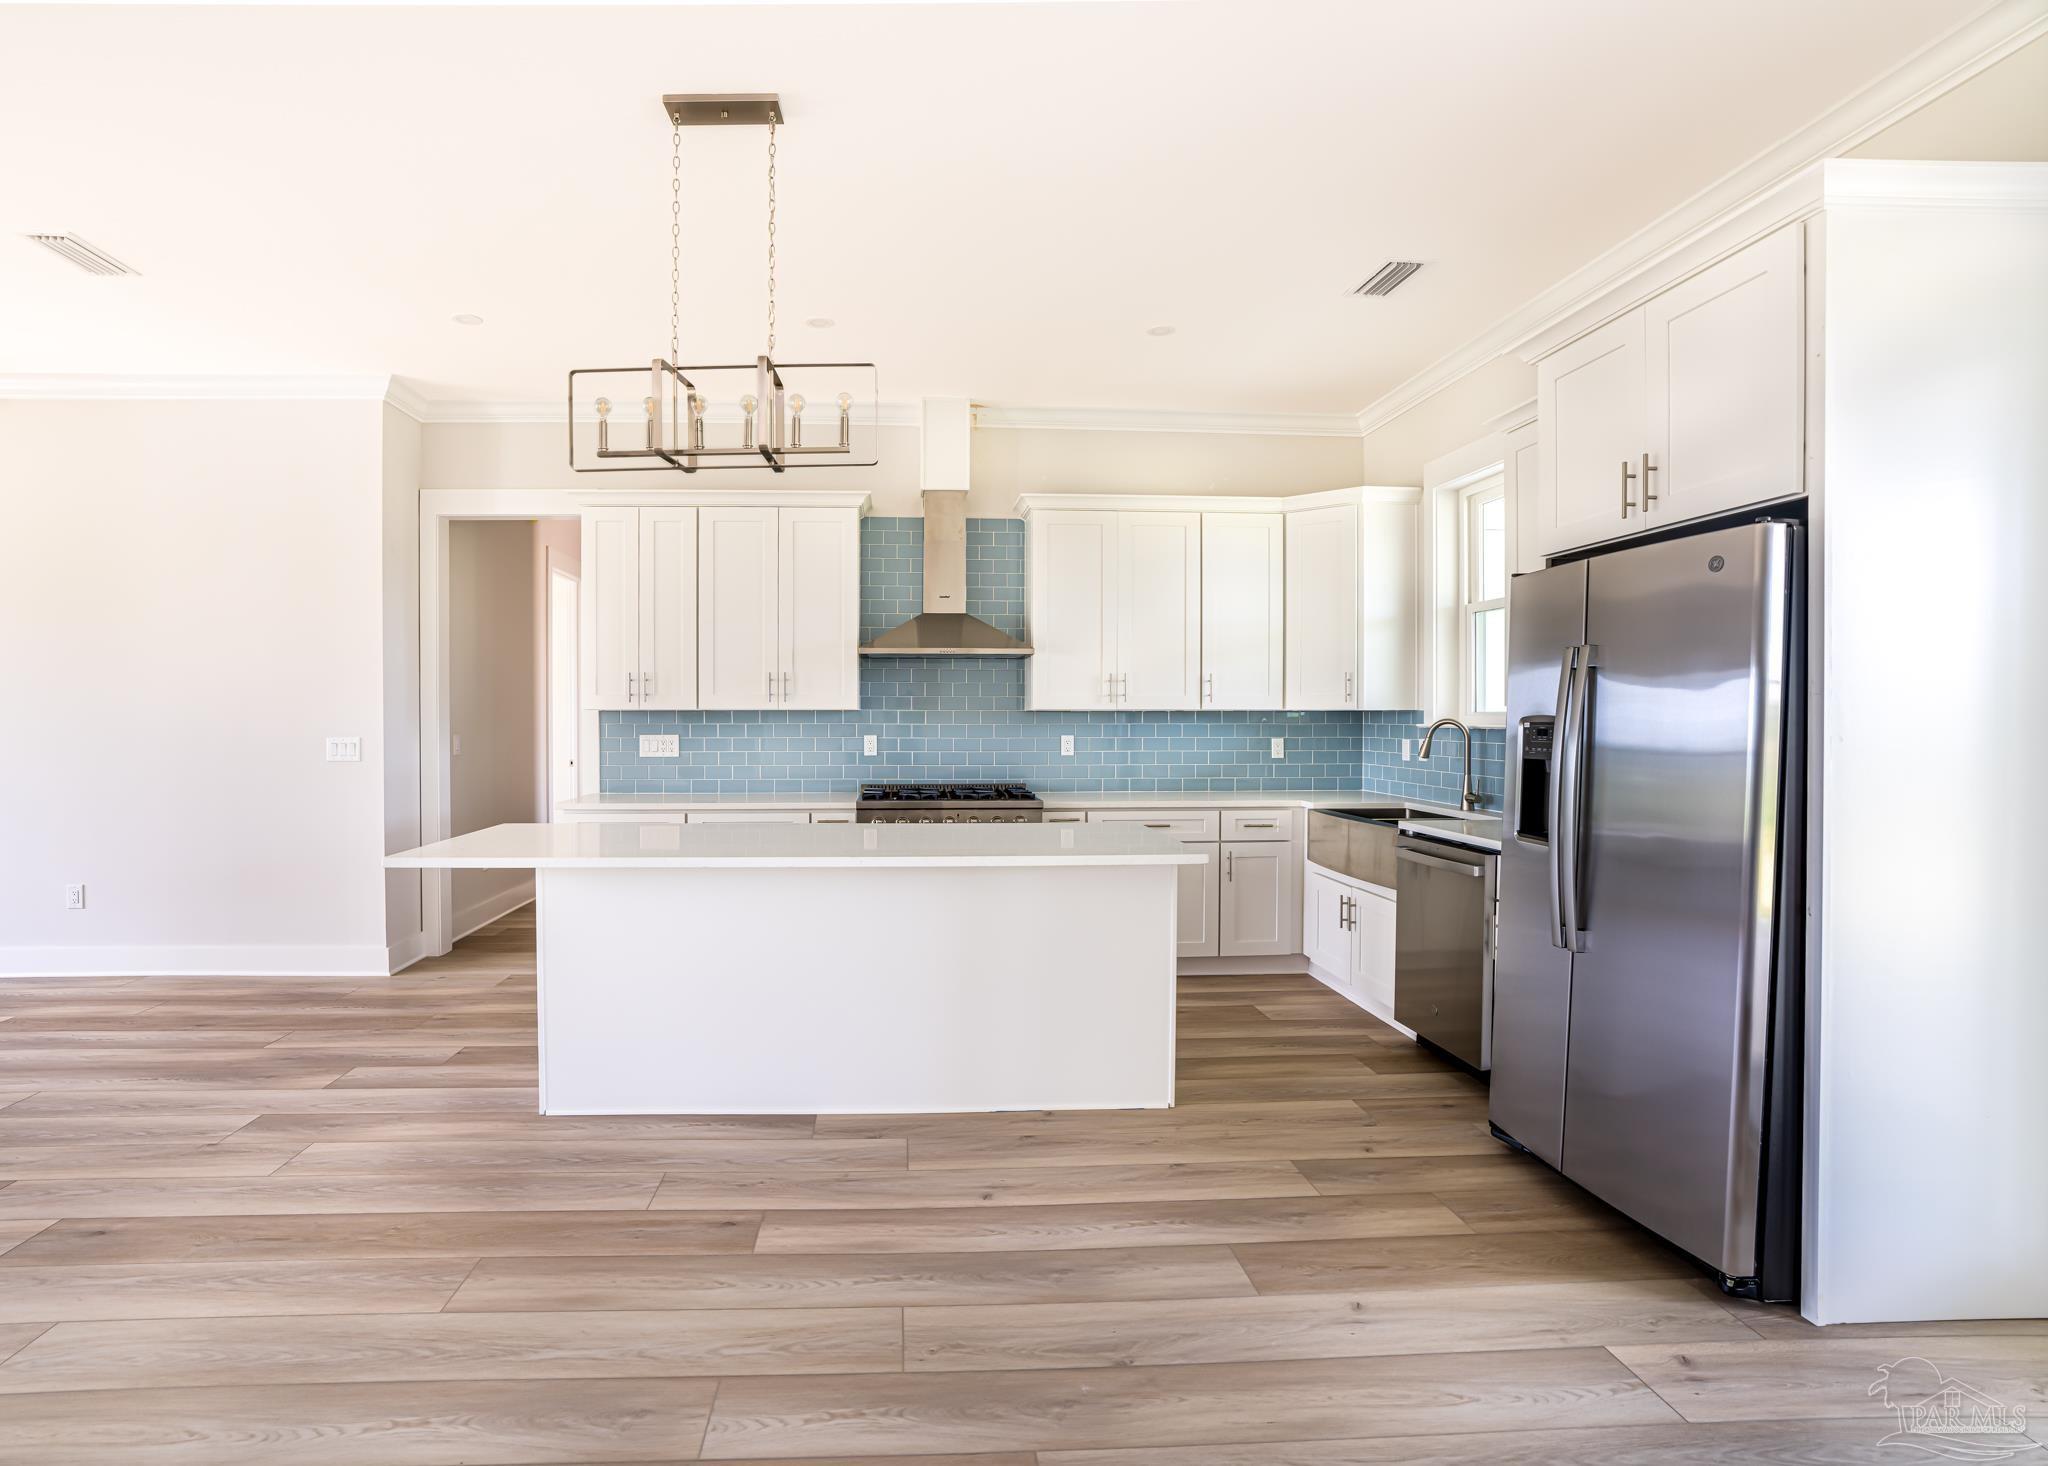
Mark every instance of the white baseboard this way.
pixel 239 960
pixel 479 914
pixel 1357 999
pixel 403 953
pixel 1241 966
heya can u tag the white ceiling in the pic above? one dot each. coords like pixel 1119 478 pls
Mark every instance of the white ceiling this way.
pixel 990 200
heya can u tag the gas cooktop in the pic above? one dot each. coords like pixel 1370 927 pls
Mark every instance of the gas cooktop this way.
pixel 947 804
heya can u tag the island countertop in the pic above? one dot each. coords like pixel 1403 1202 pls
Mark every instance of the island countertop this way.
pixel 595 846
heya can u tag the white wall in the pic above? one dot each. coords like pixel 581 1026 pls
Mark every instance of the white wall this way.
pixel 556 542
pixel 1929 1188
pixel 491 699
pixel 1999 115
pixel 189 609
pixel 1395 452
pixel 401 748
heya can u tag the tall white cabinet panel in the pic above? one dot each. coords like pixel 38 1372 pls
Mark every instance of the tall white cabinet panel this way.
pixel 1259 895
pixel 668 608
pixel 609 635
pixel 1073 597
pixel 818 609
pixel 1159 610
pixel 1589 399
pixel 737 644
pixel 1323 608
pixel 1724 363
pixel 1244 610
pixel 1520 475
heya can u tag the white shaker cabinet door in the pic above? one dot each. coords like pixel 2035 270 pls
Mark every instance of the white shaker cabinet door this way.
pixel 609 635
pixel 1520 475
pixel 668 608
pixel 819 609
pixel 1372 949
pixel 1196 910
pixel 1244 610
pixel 1589 410
pixel 1073 573
pixel 1259 897
pixel 737 663
pixel 1323 608
pixel 1159 611
pixel 1725 362
pixel 1326 924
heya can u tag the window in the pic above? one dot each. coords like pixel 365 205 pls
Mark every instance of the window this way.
pixel 1483 602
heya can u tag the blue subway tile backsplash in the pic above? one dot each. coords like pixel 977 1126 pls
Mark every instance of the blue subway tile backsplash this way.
pixel 964 718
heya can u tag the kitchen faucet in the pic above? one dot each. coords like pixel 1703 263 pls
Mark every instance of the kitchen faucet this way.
pixel 1467 799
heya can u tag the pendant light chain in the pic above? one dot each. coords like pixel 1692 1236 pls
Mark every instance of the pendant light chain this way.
pixel 771 236
pixel 675 245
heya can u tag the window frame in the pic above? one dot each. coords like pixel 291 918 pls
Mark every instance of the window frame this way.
pixel 1471 503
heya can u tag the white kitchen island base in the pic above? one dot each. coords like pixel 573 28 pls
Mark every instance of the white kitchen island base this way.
pixel 711 970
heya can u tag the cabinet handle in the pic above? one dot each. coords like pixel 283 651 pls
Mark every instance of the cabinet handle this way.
pixel 1209 687
pixel 629 687
pixel 1124 680
pixel 1230 865
pixel 1347 687
pixel 785 687
pixel 1258 824
pixel 1344 912
pixel 1628 476
pixel 1649 495
pixel 646 685
pixel 771 687
pixel 1158 825
pixel 1109 687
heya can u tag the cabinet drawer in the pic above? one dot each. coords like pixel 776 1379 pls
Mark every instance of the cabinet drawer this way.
pixel 749 817
pixel 1258 824
pixel 1066 817
pixel 621 816
pixel 1188 824
pixel 831 816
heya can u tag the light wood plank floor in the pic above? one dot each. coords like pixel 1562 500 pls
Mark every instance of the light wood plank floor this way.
pixel 317 1222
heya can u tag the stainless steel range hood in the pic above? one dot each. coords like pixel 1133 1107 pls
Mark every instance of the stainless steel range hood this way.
pixel 943 628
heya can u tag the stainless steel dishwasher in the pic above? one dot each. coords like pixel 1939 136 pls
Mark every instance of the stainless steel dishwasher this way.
pixel 1443 946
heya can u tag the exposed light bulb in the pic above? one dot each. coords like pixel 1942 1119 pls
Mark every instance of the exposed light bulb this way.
pixel 748 403
pixel 796 402
pixel 845 401
pixel 604 407
pixel 647 404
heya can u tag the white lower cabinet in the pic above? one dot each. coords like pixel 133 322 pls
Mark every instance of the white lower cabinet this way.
pixel 1372 949
pixel 1348 936
pixel 1326 923
pixel 1197 910
pixel 1258 895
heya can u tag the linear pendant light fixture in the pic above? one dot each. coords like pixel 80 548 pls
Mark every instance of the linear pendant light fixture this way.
pixel 682 405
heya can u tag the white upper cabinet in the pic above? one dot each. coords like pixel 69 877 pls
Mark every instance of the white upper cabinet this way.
pixel 1073 564
pixel 1520 475
pixel 1159 611
pixel 668 609
pixel 1688 405
pixel 1724 355
pixel 818 609
pixel 1244 610
pixel 1323 608
pixel 1589 400
pixel 608 634
pixel 737 645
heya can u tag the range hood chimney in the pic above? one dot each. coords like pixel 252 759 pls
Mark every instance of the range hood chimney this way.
pixel 943 628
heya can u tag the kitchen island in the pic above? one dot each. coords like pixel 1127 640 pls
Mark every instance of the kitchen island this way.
pixel 863 969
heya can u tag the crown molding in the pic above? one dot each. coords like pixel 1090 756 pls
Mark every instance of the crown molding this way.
pixel 1883 183
pixel 1518 416
pixel 81 387
pixel 1972 48
pixel 1166 420
pixel 402 395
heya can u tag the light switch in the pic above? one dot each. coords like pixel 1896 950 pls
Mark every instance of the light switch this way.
pixel 870 745
pixel 1279 748
pixel 344 750
pixel 661 745
pixel 1066 745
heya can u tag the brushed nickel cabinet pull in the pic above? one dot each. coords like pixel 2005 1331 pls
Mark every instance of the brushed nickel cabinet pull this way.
pixel 629 687
pixel 1649 495
pixel 1628 476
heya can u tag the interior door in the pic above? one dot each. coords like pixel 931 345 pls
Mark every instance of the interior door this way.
pixel 1323 608
pixel 1258 889
pixel 1725 353
pixel 1073 609
pixel 819 609
pixel 668 608
pixel 736 609
pixel 1159 611
pixel 610 609
pixel 1670 996
pixel 1244 610
pixel 1589 409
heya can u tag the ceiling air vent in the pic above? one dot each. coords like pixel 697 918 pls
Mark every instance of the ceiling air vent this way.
pixel 1387 277
pixel 93 261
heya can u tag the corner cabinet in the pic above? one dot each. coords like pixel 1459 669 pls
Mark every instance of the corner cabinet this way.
pixel 721 601
pixel 1352 615
pixel 1690 404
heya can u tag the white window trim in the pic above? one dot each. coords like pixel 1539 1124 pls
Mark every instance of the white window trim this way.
pixel 1444 482
pixel 1469 501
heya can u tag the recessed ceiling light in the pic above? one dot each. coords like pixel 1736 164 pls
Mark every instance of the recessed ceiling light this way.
pixel 1159 330
pixel 466 319
pixel 822 323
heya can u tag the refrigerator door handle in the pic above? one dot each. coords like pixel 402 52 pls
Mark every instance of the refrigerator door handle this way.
pixel 1555 814
pixel 1570 784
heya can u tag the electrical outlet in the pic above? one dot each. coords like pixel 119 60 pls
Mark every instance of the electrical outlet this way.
pixel 74 898
pixel 455 745
pixel 1066 745
pixel 661 745
pixel 870 745
pixel 1279 748
pixel 344 750
pixel 1407 749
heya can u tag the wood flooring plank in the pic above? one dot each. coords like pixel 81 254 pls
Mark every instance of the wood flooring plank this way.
pixel 512 1100
pixel 1459 1261
pixel 28 1128
pixel 457 1423
pixel 308 1129
pixel 268 1195
pixel 1056 1409
pixel 10 1097
pixel 377 1076
pixel 1535 1204
pixel 1780 1321
pixel 1790 1379
pixel 18 1336
pixel 892 1280
pixel 158 1158
pixel 386 1234
pixel 1483 1170
pixel 14 1039
pixel 687 1152
pixel 445 1346
pixel 55 1294
pixel 1250 1140
pixel 169 1076
pixel 1127 1224
pixel 969 1186
pixel 1309 1326
pixel 13 1234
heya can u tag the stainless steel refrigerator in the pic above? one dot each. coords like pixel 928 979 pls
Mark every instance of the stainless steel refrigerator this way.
pixel 1647 986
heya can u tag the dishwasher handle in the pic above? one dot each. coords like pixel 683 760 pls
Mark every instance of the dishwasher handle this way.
pixel 1460 867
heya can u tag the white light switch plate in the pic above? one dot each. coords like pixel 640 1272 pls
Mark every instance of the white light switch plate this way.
pixel 661 745
pixel 74 898
pixel 1066 745
pixel 870 745
pixel 1279 748
pixel 344 750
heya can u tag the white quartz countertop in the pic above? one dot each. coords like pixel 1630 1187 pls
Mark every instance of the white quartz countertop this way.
pixel 708 801
pixel 596 846
pixel 1192 799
